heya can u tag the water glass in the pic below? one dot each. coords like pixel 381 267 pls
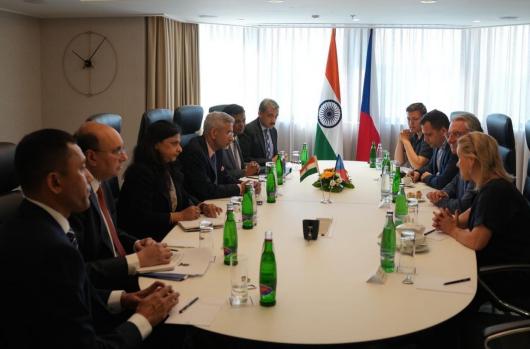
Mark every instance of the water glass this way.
pixel 407 252
pixel 238 280
pixel 295 159
pixel 205 237
pixel 236 203
pixel 413 208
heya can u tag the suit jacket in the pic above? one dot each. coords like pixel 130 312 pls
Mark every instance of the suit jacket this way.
pixel 447 169
pixel 144 206
pixel 460 195
pixel 252 143
pixel 105 270
pixel 230 164
pixel 55 305
pixel 200 175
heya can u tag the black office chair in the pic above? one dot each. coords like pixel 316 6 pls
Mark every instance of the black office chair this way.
pixel 189 118
pixel 526 189
pixel 500 127
pixel 10 196
pixel 509 335
pixel 219 107
pixel 112 120
pixel 151 116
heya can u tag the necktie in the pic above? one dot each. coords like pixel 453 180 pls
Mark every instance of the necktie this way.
pixel 235 153
pixel 268 142
pixel 114 235
pixel 71 236
pixel 213 163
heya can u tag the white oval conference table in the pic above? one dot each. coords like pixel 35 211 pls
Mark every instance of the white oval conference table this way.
pixel 322 293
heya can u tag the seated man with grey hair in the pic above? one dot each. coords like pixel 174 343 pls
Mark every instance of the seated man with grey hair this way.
pixel 458 194
pixel 259 141
pixel 202 160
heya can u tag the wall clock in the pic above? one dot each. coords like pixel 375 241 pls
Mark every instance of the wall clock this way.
pixel 90 63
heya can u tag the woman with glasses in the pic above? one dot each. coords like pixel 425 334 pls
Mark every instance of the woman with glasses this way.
pixel 152 199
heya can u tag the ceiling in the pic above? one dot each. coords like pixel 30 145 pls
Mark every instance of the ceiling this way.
pixel 452 13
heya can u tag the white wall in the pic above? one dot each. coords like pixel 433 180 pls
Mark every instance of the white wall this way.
pixel 20 76
pixel 64 108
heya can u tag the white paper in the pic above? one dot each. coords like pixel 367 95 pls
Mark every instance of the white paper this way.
pixel 175 259
pixel 194 261
pixel 436 283
pixel 193 225
pixel 201 313
pixel 182 240
pixel 437 236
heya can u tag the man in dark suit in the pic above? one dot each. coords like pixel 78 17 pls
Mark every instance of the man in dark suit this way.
pixel 49 298
pixel 112 255
pixel 441 168
pixel 259 142
pixel 202 160
pixel 233 157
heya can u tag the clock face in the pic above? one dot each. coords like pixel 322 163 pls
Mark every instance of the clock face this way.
pixel 89 63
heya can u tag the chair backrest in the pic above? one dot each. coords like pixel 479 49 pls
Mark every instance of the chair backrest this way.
pixel 151 116
pixel 509 335
pixel 219 107
pixel 500 127
pixel 189 118
pixel 9 197
pixel 526 189
pixel 112 120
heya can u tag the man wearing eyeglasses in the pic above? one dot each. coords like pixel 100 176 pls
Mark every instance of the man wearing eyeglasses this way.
pixel 113 256
pixel 458 194
pixel 412 150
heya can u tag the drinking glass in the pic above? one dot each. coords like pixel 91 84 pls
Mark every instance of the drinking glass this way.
pixel 238 280
pixel 205 237
pixel 407 252
pixel 413 208
pixel 236 203
pixel 295 159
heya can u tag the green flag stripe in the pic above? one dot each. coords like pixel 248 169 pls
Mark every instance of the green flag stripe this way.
pixel 323 149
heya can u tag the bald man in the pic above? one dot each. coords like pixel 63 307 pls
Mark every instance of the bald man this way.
pixel 112 255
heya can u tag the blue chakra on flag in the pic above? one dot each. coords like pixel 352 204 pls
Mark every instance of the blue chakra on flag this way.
pixel 329 113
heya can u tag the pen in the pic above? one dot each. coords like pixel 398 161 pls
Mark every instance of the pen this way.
pixel 456 281
pixel 188 305
pixel 429 232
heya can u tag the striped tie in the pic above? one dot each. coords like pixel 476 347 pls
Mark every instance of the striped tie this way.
pixel 71 236
pixel 268 142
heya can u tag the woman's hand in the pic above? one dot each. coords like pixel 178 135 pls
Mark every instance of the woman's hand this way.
pixel 445 221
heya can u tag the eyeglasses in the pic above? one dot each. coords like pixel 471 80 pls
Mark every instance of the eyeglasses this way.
pixel 116 152
pixel 456 134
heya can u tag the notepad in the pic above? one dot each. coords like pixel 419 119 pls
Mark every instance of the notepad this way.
pixel 193 225
pixel 175 260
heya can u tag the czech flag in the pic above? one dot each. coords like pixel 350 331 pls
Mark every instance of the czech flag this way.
pixel 367 131
pixel 340 170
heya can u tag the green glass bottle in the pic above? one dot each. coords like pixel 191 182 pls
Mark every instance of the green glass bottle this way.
pixel 402 208
pixel 388 244
pixel 279 169
pixel 373 155
pixel 267 273
pixel 247 209
pixel 304 155
pixel 396 181
pixel 229 235
pixel 271 183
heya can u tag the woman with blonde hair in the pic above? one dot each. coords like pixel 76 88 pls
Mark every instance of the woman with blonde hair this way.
pixel 497 223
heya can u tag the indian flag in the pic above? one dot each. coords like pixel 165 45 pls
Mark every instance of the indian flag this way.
pixel 328 140
pixel 311 167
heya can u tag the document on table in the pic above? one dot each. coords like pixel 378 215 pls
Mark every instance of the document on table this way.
pixel 193 225
pixel 194 262
pixel 436 283
pixel 174 261
pixel 201 313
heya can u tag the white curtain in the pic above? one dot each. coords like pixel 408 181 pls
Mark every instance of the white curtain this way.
pixel 481 70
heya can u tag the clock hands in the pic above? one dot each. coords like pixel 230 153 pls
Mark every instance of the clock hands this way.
pixel 88 62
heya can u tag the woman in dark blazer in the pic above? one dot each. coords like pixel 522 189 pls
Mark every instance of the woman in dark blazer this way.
pixel 152 199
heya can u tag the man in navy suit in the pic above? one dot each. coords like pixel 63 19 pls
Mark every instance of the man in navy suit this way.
pixel 49 300
pixel 202 160
pixel 259 142
pixel 441 168
pixel 105 248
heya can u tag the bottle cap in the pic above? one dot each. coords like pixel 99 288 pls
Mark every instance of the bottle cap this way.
pixel 268 235
pixel 389 213
pixel 229 206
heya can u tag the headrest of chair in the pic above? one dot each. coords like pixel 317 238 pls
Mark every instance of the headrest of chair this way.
pixel 112 120
pixel 8 178
pixel 527 132
pixel 500 128
pixel 151 116
pixel 189 118
pixel 219 107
